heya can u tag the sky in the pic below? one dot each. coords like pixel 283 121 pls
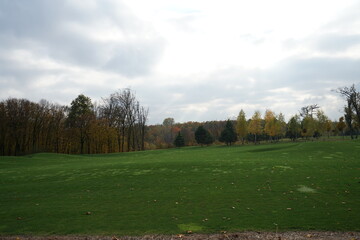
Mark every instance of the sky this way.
pixel 192 60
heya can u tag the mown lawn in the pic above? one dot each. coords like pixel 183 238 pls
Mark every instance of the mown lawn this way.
pixel 289 186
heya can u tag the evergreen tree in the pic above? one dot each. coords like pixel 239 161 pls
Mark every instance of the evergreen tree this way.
pixel 341 125
pixel 228 135
pixel 179 140
pixel 294 128
pixel 79 118
pixel 202 136
pixel 209 139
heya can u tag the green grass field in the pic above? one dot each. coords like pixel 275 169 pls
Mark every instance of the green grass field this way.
pixel 289 186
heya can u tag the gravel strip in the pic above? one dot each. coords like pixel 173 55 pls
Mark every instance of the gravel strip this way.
pixel 310 235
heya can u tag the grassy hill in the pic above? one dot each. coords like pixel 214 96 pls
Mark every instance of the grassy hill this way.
pixel 290 186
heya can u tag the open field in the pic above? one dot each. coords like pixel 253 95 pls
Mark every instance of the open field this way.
pixel 288 186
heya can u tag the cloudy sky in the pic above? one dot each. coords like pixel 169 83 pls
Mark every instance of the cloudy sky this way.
pixel 193 60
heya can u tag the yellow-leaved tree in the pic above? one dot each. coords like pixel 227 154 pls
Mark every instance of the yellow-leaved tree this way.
pixel 281 125
pixel 308 127
pixel 322 120
pixel 271 126
pixel 255 126
pixel 241 126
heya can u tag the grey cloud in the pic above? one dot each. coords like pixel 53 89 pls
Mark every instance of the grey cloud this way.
pixel 316 75
pixel 19 76
pixel 304 81
pixel 25 19
pixel 337 43
pixel 42 26
pixel 315 72
pixel 132 59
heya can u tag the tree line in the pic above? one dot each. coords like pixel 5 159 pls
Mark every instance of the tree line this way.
pixel 119 124
pixel 116 124
pixel 269 127
pixel 310 123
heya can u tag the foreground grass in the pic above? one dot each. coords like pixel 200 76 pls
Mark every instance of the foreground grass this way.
pixel 292 186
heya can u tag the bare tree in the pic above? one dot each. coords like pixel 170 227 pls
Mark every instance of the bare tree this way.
pixel 112 111
pixel 142 119
pixel 308 111
pixel 124 113
pixel 352 109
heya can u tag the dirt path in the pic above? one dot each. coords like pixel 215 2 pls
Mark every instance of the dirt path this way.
pixel 312 235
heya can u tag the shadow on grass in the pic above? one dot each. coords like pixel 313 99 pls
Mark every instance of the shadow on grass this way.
pixel 269 148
